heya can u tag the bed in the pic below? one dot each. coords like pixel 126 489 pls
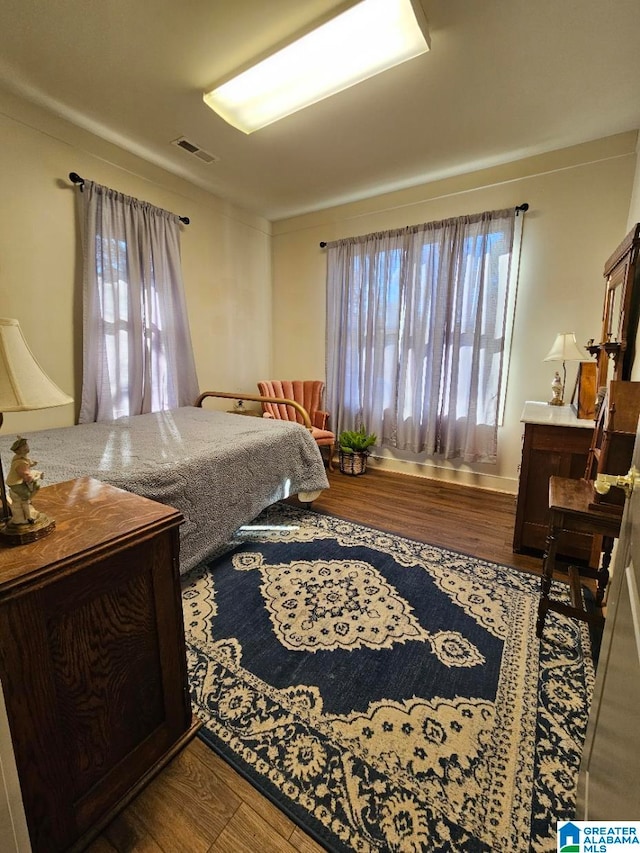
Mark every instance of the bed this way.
pixel 218 469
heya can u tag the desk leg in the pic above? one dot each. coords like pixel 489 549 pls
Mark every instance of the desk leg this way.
pixel 548 562
pixel 603 572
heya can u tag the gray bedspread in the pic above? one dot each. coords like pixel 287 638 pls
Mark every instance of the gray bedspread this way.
pixel 220 470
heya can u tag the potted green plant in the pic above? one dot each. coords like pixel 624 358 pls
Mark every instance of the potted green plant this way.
pixel 354 448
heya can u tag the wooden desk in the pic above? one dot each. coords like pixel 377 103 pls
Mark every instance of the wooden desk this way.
pixel 571 511
pixel 92 658
pixel 555 443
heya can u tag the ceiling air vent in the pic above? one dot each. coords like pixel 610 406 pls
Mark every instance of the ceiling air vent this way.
pixel 194 149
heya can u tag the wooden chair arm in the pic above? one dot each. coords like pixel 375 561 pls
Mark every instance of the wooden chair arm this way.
pixel 257 398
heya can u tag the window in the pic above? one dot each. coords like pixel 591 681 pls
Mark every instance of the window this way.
pixel 416 324
pixel 137 347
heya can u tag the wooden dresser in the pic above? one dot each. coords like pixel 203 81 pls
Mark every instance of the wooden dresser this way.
pixel 92 658
pixel 555 443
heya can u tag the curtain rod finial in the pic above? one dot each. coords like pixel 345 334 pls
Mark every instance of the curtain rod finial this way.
pixel 75 178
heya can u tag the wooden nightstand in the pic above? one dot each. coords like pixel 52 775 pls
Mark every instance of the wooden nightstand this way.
pixel 555 443
pixel 92 658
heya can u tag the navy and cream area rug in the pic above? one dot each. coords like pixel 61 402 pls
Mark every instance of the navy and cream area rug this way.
pixel 388 695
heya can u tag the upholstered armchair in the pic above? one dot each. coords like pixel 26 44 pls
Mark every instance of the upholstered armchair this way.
pixel 307 392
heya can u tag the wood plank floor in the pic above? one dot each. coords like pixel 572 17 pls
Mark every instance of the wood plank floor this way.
pixel 198 804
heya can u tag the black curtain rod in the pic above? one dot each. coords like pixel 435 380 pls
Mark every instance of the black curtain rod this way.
pixel 75 178
pixel 519 207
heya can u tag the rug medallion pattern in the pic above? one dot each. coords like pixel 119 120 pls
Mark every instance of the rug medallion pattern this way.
pixel 389 695
pixel 344 604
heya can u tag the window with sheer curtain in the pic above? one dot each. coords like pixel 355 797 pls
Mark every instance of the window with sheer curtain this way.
pixel 137 352
pixel 416 329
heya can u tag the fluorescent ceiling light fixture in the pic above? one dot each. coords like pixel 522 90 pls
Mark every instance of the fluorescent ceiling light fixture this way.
pixel 367 38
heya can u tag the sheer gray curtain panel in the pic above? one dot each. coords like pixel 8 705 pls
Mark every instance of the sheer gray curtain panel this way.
pixel 416 333
pixel 137 351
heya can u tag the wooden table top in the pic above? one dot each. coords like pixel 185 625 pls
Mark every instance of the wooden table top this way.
pixel 91 517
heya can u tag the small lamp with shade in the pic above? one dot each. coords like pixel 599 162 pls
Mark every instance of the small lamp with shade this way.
pixel 24 387
pixel 565 348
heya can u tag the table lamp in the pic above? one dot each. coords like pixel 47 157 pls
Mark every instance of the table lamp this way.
pixel 24 387
pixel 565 348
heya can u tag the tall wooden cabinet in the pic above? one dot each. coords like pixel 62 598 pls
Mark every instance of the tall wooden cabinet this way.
pixel 615 351
pixel 92 658
pixel 614 436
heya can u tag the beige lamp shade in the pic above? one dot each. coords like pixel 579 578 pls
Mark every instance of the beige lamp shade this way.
pixel 24 385
pixel 565 348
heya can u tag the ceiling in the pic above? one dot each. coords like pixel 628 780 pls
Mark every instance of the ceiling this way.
pixel 504 79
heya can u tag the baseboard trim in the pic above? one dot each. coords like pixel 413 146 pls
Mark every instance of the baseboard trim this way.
pixel 430 471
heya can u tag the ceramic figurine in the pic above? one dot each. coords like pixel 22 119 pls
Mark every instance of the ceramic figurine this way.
pixel 23 482
pixel 556 390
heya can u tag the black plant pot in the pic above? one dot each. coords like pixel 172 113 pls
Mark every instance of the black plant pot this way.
pixel 353 463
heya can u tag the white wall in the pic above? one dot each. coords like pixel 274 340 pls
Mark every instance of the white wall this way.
pixel 238 276
pixel 634 206
pixel 226 256
pixel 579 202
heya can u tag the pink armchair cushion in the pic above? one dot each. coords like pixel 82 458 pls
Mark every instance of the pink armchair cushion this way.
pixel 323 436
pixel 308 393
